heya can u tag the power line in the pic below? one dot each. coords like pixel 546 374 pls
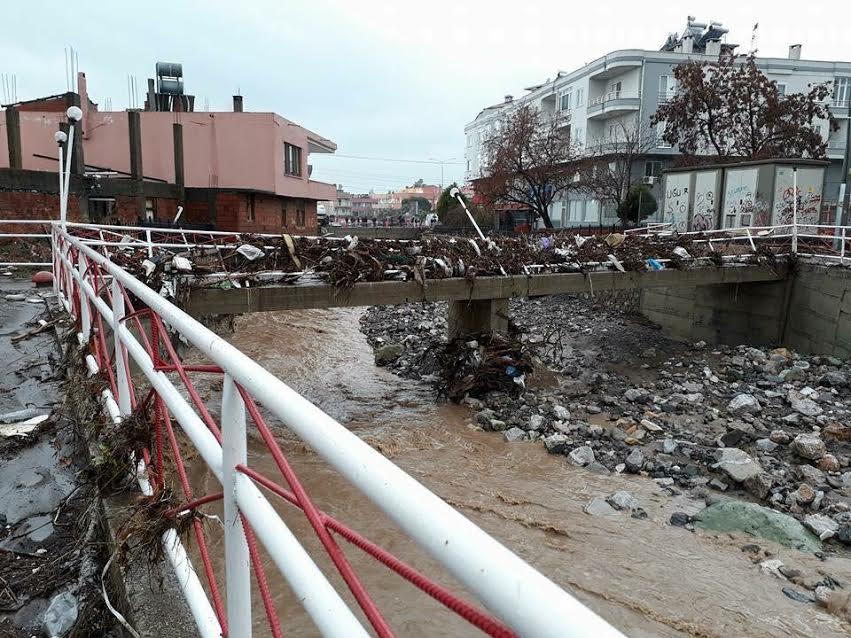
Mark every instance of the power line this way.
pixel 391 159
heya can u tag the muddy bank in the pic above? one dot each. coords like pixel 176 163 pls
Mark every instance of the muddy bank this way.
pixel 613 395
pixel 50 543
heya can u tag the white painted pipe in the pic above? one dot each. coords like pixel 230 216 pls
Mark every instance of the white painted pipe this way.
pixel 511 588
pixel 320 599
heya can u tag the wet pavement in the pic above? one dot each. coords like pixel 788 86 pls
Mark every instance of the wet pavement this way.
pixel 646 577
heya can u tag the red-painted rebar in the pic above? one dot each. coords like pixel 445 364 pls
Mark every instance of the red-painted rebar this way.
pixel 193 505
pixel 260 575
pixel 461 607
pixel 370 609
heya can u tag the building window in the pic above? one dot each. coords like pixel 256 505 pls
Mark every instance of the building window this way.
pixel 781 88
pixel 841 91
pixel 150 209
pixel 660 135
pixel 666 88
pixel 250 211
pixel 580 96
pixel 292 159
pixel 299 214
pixel 653 168
pixel 615 90
pixel 564 101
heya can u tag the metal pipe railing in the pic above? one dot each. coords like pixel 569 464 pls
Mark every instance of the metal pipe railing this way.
pixel 519 594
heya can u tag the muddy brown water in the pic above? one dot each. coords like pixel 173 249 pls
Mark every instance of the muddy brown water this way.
pixel 644 576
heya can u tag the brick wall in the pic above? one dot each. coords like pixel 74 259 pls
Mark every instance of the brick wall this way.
pixel 259 213
pixel 34 205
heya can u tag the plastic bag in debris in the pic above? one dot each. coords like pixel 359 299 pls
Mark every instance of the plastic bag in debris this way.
pixel 615 239
pixel 579 239
pixel 353 242
pixel 616 263
pixel 653 264
pixel 681 252
pixel 149 267
pixel 167 289
pixel 250 252
pixel 181 264
pixel 544 243
pixel 61 615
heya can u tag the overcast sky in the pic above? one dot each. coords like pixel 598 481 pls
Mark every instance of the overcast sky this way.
pixel 383 79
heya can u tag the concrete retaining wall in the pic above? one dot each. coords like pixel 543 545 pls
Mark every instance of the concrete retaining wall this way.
pixel 811 312
pixel 820 311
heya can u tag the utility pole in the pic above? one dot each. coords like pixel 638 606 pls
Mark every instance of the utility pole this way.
pixel 846 161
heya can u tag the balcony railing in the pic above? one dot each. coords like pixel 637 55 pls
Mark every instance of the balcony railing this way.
pixel 836 144
pixel 614 95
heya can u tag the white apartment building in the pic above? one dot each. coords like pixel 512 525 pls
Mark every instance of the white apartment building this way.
pixel 625 87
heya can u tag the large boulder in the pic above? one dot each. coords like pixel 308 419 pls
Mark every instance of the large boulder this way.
pixel 762 522
pixel 388 353
pixel 809 446
pixel 744 404
pixel 737 464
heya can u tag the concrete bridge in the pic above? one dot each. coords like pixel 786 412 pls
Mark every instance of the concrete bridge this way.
pixel 475 306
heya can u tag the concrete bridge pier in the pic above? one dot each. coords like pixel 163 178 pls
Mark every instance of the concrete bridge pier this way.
pixel 477 316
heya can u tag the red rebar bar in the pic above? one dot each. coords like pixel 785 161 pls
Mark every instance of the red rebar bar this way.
pixel 461 607
pixel 370 609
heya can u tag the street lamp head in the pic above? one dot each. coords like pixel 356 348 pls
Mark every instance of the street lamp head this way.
pixel 454 192
pixel 59 137
pixel 74 113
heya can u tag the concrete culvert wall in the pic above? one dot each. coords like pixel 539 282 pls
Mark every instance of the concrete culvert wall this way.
pixel 810 312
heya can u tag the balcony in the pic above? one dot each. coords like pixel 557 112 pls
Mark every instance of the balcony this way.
pixel 614 67
pixel 613 104
pixel 836 147
pixel 839 108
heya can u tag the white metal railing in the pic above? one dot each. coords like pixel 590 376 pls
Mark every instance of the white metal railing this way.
pixel 16 235
pixel 524 599
pixel 614 95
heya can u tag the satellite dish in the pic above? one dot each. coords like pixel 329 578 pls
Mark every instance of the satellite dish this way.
pixel 454 192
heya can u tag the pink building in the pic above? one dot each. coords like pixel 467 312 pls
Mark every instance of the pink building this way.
pixel 229 170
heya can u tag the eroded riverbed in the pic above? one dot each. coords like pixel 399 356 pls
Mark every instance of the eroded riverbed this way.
pixel 644 576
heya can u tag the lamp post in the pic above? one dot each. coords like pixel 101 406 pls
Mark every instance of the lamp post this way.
pixel 75 114
pixel 442 162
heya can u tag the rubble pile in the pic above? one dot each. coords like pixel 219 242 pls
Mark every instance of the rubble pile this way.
pixel 768 425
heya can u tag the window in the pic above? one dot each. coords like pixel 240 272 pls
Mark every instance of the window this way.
pixel 299 213
pixel 292 159
pixel 666 88
pixel 615 89
pixel 580 96
pixel 150 209
pixel 592 210
pixel 781 88
pixel 653 168
pixel 249 214
pixel 660 135
pixel 564 103
pixel 841 91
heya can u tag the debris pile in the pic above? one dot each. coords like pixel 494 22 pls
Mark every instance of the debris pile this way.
pixel 479 364
pixel 346 261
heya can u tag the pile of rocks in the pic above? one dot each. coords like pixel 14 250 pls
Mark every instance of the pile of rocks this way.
pixel 768 423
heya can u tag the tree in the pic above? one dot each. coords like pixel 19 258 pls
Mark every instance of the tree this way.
pixel 528 162
pixel 608 170
pixel 416 205
pixel 729 109
pixel 638 204
pixel 445 202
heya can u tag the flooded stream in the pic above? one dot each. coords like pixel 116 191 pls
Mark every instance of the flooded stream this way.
pixel 644 576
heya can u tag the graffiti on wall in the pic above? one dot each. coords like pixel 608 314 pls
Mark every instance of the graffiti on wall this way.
pixel 677 197
pixel 741 207
pixel 703 215
pixel 808 195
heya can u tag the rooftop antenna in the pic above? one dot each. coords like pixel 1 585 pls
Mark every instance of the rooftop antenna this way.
pixel 753 37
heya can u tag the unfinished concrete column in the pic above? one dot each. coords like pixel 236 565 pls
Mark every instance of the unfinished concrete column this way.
pixel 134 125
pixel 13 137
pixel 177 130
pixel 484 316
